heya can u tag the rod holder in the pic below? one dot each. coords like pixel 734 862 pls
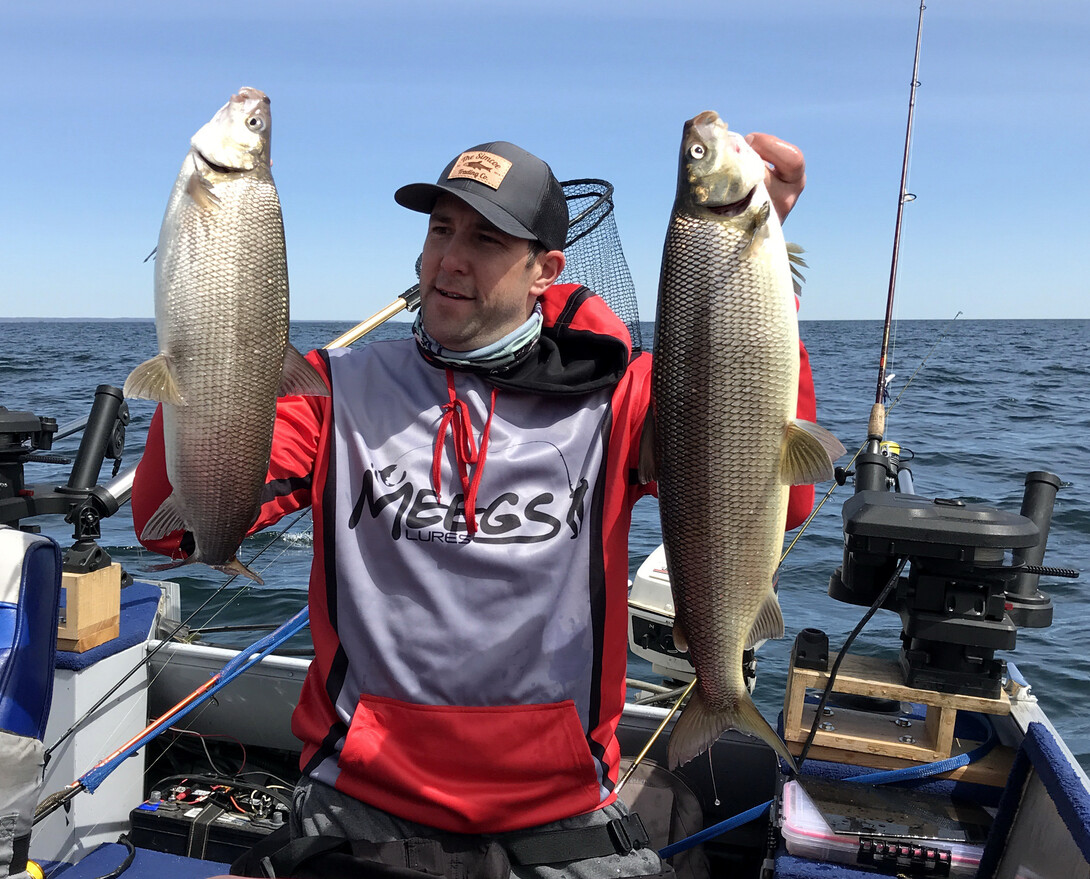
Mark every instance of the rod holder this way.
pixel 96 438
pixel 1038 502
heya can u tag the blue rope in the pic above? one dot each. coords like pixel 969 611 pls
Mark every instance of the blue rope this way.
pixel 716 829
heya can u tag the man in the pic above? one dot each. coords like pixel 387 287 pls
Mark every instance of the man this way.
pixel 472 491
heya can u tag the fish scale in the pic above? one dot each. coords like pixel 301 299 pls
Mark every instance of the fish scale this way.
pixel 725 386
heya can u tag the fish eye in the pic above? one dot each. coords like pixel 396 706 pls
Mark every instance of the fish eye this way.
pixel 255 123
pixel 697 151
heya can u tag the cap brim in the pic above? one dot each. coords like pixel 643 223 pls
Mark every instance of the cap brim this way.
pixel 421 197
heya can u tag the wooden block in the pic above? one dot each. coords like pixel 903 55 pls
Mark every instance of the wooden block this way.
pixel 882 678
pixel 92 608
pixel 92 636
pixel 870 738
pixel 865 732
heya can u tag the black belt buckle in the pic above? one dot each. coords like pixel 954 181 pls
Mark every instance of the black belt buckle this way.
pixel 627 834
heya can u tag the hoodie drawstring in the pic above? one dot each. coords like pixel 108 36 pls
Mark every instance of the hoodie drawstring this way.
pixel 466 453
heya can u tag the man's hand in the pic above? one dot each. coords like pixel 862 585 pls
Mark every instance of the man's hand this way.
pixel 786 178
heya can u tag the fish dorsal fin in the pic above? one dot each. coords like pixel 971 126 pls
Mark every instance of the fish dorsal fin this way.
pixel 796 262
pixel 163 521
pixel 808 453
pixel 299 377
pixel 769 622
pixel 647 468
pixel 153 380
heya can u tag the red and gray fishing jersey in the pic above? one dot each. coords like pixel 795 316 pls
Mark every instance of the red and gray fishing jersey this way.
pixel 469 656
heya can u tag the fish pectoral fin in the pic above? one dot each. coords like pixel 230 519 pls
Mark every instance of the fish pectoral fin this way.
pixel 796 262
pixel 153 380
pixel 760 230
pixel 200 190
pixel 808 453
pixel 647 466
pixel 163 521
pixel 769 622
pixel 300 377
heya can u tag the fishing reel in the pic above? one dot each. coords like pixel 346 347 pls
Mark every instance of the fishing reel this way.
pixel 972 572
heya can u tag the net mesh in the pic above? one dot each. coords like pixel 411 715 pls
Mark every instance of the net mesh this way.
pixel 593 251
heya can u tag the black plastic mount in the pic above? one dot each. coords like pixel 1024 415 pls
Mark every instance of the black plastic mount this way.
pixel 957 599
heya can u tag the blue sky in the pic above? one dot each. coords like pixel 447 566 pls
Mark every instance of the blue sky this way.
pixel 99 101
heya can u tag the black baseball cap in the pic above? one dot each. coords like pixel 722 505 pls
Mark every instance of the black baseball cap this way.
pixel 513 189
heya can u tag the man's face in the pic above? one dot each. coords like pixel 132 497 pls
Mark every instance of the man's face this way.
pixel 475 284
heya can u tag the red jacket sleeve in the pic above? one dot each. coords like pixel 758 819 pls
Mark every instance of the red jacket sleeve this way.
pixel 801 499
pixel 296 439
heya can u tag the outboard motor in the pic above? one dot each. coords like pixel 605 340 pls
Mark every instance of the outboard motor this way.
pixel 30 585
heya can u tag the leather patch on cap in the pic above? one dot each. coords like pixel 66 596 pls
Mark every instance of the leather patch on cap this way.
pixel 486 168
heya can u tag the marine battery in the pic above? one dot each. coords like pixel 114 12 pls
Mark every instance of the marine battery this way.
pixel 203 829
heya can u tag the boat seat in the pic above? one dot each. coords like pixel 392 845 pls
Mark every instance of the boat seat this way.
pixel 30 586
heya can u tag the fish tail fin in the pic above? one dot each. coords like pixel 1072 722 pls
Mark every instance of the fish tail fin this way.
pixel 699 728
pixel 235 567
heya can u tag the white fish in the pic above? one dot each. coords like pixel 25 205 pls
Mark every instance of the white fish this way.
pixel 727 444
pixel 221 319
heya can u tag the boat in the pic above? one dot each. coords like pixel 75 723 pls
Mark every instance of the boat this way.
pixel 938 762
pixel 191 807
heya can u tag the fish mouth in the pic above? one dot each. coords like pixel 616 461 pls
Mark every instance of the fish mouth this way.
pixel 734 208
pixel 221 169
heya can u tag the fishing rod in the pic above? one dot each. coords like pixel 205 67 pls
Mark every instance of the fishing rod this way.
pixel 846 470
pixel 241 663
pixel 407 301
pixel 90 712
pixel 877 425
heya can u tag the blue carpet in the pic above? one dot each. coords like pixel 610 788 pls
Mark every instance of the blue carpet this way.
pixel 138 605
pixel 146 865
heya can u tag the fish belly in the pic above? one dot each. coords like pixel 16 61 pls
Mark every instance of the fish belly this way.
pixel 221 292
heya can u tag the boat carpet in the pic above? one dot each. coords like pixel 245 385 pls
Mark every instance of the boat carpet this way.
pixel 147 864
pixel 138 605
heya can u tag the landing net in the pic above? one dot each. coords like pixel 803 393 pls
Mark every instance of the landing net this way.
pixel 593 251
